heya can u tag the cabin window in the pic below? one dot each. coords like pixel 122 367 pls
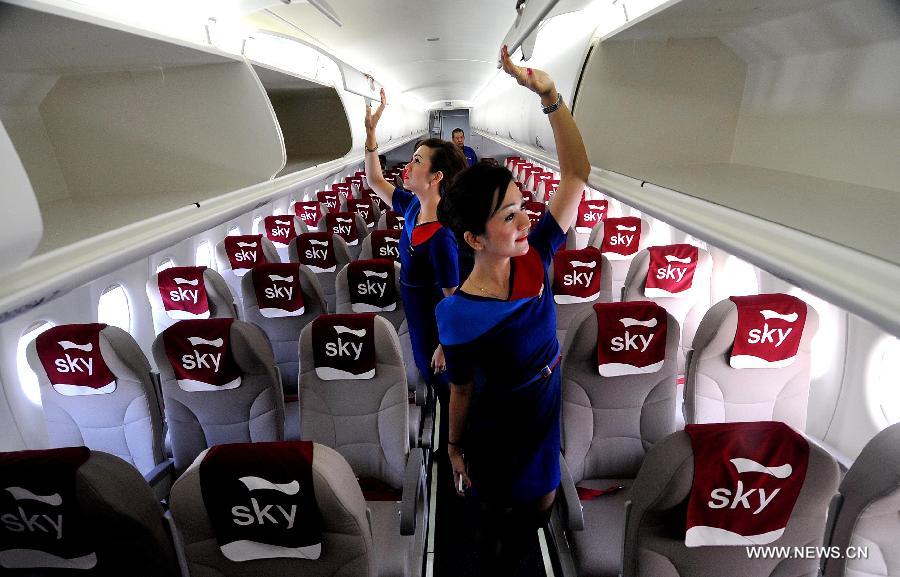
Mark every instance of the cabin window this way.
pixel 278 211
pixel 691 239
pixel 166 263
pixel 827 340
pixel 884 379
pixel 27 379
pixel 257 225
pixel 234 231
pixel 203 256
pixel 738 278
pixel 114 308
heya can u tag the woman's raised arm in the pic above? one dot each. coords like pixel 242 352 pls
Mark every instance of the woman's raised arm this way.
pixel 574 167
pixel 374 176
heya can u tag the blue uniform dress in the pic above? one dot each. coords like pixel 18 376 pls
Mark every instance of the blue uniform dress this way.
pixel 509 351
pixel 428 263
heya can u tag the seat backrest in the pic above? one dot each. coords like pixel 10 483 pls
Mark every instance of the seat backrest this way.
pixel 309 212
pixel 609 422
pixel 716 392
pixel 580 279
pixel 189 292
pixel 868 510
pixel 235 255
pixel 97 390
pixel 73 511
pixel 325 254
pixel 281 229
pixel 621 246
pixel 687 306
pixel 364 419
pixel 381 244
pixel 220 384
pixel 350 226
pixel 372 292
pixel 271 303
pixel 365 207
pixel 656 524
pixel 332 512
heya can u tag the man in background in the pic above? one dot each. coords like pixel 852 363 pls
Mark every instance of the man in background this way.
pixel 459 139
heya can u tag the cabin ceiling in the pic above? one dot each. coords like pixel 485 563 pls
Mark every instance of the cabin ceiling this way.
pixel 389 39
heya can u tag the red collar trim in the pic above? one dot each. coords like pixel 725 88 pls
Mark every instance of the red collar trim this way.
pixel 528 275
pixel 423 232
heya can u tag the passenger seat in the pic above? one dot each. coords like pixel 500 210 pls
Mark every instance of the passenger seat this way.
pixel 620 246
pixel 580 279
pixel 865 511
pixel 98 390
pixel 695 520
pixel 353 398
pixel 220 385
pixel 350 226
pixel 281 230
pixel 235 255
pixel 618 399
pixel 325 254
pixel 73 511
pixel 778 390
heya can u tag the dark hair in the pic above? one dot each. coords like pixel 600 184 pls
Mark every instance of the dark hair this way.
pixel 473 200
pixel 455 130
pixel 447 158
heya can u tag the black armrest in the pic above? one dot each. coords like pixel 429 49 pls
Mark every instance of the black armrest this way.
pixel 413 491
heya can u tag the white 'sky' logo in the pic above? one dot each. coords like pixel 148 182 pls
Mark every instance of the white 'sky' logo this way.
pixel 633 342
pixel 257 514
pixel 281 229
pixel 245 255
pixel 390 248
pixel 280 292
pixel 185 295
pixel 622 239
pixel 341 226
pixel 724 497
pixel 399 224
pixel 580 278
pixel 20 521
pixel 197 360
pixel 70 364
pixel 344 348
pixel 771 335
pixel 593 213
pixel 314 253
pixel 673 272
pixel 370 287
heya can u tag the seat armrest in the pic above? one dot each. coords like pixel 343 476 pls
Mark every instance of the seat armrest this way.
pixel 427 428
pixel 421 393
pixel 160 472
pixel 413 491
pixel 569 501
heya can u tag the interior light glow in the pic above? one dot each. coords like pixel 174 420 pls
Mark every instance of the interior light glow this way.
pixel 827 340
pixel 883 380
pixel 738 278
pixel 114 309
pixel 27 379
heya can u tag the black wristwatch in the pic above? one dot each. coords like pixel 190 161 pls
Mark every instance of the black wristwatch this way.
pixel 553 107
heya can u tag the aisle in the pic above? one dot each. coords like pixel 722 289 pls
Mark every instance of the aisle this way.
pixel 456 550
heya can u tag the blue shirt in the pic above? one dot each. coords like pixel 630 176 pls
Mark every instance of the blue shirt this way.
pixel 470 155
pixel 428 252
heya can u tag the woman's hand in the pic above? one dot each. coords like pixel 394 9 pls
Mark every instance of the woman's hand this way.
pixel 460 478
pixel 438 363
pixel 533 79
pixel 372 119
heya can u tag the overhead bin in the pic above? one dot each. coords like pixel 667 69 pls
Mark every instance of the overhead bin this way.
pixel 311 116
pixel 114 126
pixel 780 112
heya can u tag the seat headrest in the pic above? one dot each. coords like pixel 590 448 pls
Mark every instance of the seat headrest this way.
pixel 329 198
pixel 260 500
pixel 372 285
pixel 576 275
pixel 308 211
pixel 393 220
pixel 71 357
pixel 281 229
pixel 277 289
pixel 199 352
pixel 363 207
pixel 316 250
pixel 386 244
pixel 183 292
pixel 343 224
pixel 244 252
pixel 344 346
pixel 670 272
pixel 769 330
pixel 535 211
pixel 590 212
pixel 43 526
pixel 747 477
pixel 621 237
pixel 631 338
